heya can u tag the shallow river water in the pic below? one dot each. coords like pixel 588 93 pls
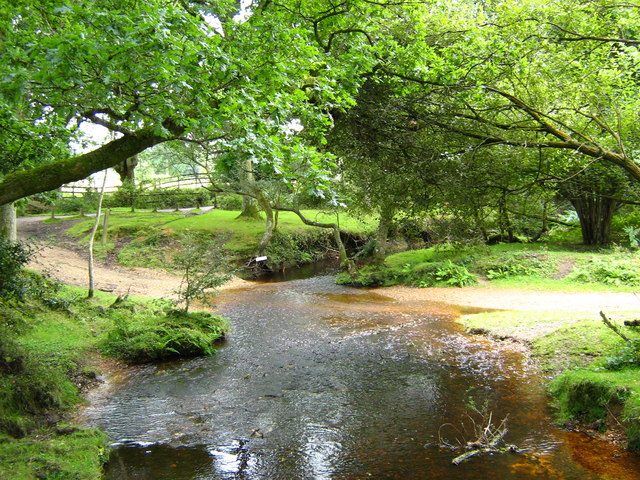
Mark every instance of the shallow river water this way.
pixel 317 381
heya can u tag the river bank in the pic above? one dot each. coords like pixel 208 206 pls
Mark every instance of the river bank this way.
pixel 401 300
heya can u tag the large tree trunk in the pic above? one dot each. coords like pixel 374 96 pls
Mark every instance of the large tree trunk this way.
pixel 8 224
pixel 270 224
pixel 249 204
pixel 382 234
pixel 504 221
pixel 595 213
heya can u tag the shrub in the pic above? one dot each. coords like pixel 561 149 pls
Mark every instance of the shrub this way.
pixel 228 202
pixel 611 272
pixel 290 249
pixel 585 396
pixel 13 256
pixel 200 260
pixel 368 277
pixel 144 338
pixel 158 198
pixel 514 265
pixel 455 275
pixel 629 356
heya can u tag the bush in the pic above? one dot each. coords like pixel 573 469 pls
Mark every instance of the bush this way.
pixel 585 396
pixel 158 198
pixel 228 202
pixel 514 265
pixel 368 277
pixel 611 272
pixel 455 275
pixel 287 250
pixel 143 338
pixel 629 356
pixel 200 261
pixel 13 256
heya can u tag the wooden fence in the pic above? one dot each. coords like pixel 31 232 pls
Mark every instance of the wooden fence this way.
pixel 168 183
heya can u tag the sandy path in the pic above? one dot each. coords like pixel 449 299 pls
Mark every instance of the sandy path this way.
pixel 72 268
pixel 513 299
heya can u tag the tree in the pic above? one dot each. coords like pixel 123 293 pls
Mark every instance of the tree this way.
pixel 514 74
pixel 386 166
pixel 157 71
pixel 8 225
pixel 503 77
pixel 200 262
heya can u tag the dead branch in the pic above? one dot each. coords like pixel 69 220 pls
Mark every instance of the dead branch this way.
pixel 613 327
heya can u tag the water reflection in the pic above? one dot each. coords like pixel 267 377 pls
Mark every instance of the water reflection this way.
pixel 313 384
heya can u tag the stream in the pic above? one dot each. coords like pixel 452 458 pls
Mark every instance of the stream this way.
pixel 317 381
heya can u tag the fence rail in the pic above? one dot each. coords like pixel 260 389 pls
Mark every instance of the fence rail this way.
pixel 168 183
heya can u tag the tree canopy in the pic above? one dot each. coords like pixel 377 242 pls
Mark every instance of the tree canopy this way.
pixel 469 76
pixel 162 70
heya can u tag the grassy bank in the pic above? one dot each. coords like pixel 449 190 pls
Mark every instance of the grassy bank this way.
pixel 594 375
pixel 145 239
pixel 49 346
pixel 536 266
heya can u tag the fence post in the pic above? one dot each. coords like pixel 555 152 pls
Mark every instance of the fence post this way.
pixel 105 226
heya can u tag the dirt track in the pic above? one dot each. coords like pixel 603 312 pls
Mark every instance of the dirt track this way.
pixel 71 267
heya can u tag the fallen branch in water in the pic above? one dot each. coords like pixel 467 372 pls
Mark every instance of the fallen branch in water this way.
pixel 487 438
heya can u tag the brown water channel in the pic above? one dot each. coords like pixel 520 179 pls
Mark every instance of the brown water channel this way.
pixel 318 381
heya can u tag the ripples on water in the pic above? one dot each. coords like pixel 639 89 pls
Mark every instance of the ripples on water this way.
pixel 318 381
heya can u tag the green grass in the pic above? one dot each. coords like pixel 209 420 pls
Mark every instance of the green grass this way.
pixel 599 397
pixel 47 345
pixel 593 378
pixel 77 455
pixel 125 223
pixel 530 266
pixel 146 239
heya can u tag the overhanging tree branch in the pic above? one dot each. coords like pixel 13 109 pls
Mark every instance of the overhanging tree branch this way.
pixel 44 178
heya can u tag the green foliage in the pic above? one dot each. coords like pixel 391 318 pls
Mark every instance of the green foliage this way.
pixel 153 199
pixel 85 202
pixel 13 256
pixel 425 274
pixel 143 338
pixel 68 453
pixel 594 368
pixel 585 396
pixel 632 236
pixel 228 202
pixel 201 262
pixel 455 275
pixel 628 356
pixel 147 250
pixel 610 271
pixel 514 265
pixel 29 386
pixel 288 249
pixel 542 266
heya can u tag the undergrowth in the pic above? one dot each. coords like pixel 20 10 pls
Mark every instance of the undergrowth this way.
pixel 507 265
pixel 48 342
pixel 139 337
